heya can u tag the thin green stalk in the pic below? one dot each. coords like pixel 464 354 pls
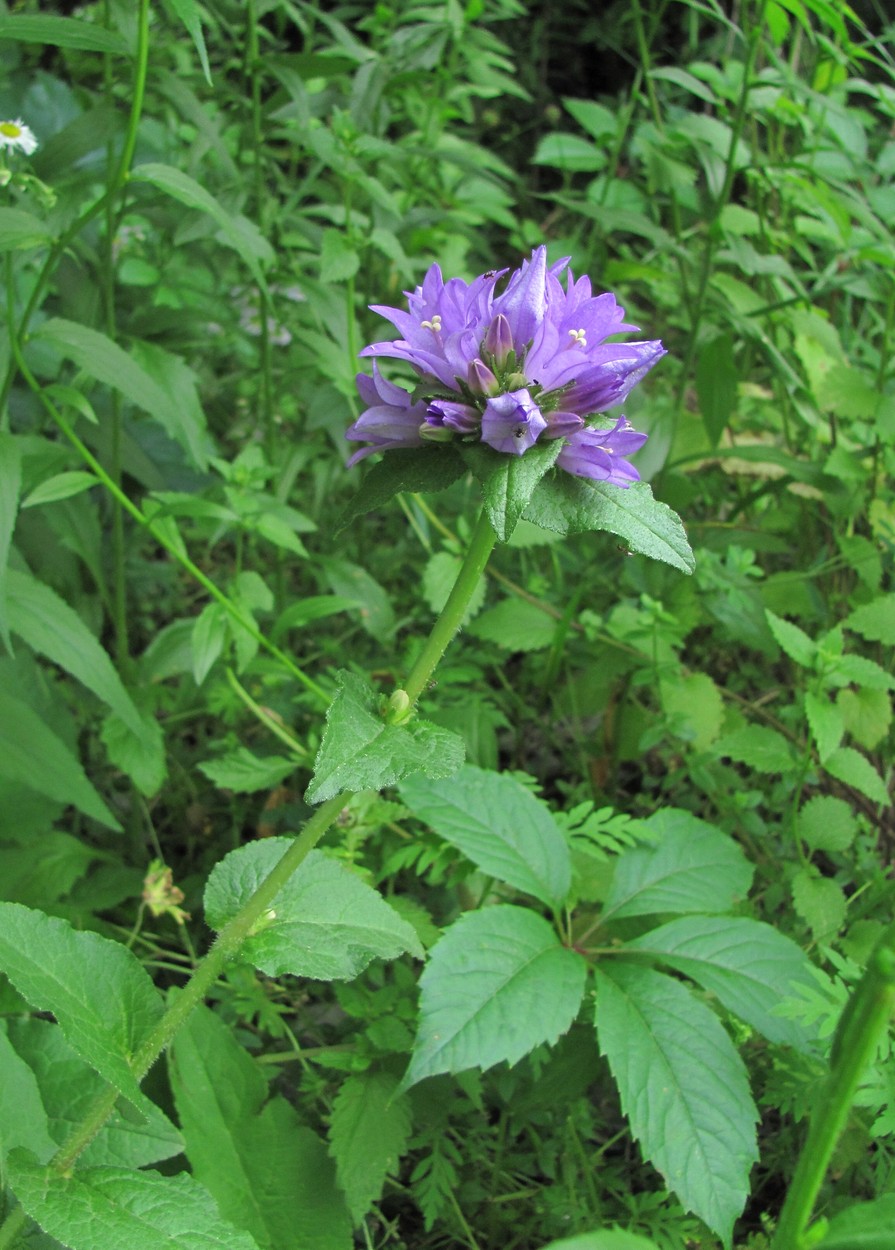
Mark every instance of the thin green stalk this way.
pixel 863 1022
pixel 480 547
pixel 265 717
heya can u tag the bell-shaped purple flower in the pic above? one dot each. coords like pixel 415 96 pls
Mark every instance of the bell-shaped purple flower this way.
pixel 600 454
pixel 391 420
pixel 512 422
pixel 461 418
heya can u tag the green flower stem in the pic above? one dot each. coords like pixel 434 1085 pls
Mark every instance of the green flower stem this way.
pixel 266 718
pixel 480 547
pixel 162 538
pixel 863 1022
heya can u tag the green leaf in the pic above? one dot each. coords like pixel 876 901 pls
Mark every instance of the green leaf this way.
pixel 62 32
pixel 338 259
pixel 867 715
pixel 497 985
pixel 59 969
pixel 139 756
pixel 412 469
pixel 23 1118
pixel 763 749
pixel 269 1173
pixel 209 636
pixel 439 576
pixel 32 754
pixel 683 1088
pixel 515 625
pixel 692 867
pixel 307 611
pixel 508 482
pixel 695 703
pixel 60 486
pixel 368 1134
pixel 188 13
pixel 20 229
pixel 69 1090
pixel 360 751
pixel 237 232
pixel 325 923
pixel 244 772
pixel 10 486
pixel 371 601
pixel 573 505
pixel 52 628
pixel 102 1208
pixel 875 621
pixel 748 966
pixel 605 1239
pixel 819 901
pixel 827 824
pixel 826 722
pixel 794 641
pixel 498 824
pixel 855 770
pixel 716 381
pixel 38 878
pixel 864 1226
pixel 182 417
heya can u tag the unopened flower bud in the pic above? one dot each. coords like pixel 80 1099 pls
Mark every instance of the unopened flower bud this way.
pixel 481 380
pixel 498 342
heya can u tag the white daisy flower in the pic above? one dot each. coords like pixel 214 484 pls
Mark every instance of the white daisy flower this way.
pixel 17 135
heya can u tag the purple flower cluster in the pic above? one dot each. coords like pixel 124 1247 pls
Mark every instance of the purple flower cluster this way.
pixel 531 363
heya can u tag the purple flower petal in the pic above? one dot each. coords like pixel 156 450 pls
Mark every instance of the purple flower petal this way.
pixel 599 454
pixel 512 422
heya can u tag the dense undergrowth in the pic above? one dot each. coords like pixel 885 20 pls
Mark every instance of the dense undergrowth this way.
pixel 217 195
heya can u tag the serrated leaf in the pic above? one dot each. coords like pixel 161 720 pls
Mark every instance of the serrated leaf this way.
pixel 368 1133
pixel 100 1208
pixel 103 999
pixel 573 505
pixel 692 867
pixel 413 469
pixel 326 922
pixel 748 966
pixel 244 772
pixel 32 754
pixel 139 756
pixel 863 1226
pixel 237 232
pixel 508 482
pixel 10 486
pixel 867 715
pixel 826 823
pixel 875 621
pixel 683 1088
pixel 763 749
pixel 858 669
pixel 515 625
pixel 497 985
pixel 819 901
pixel 826 723
pixel 360 751
pixel 794 641
pixel 498 824
pixel 21 229
pixel 855 770
pixel 61 32
pixel 268 1172
pixel 69 1090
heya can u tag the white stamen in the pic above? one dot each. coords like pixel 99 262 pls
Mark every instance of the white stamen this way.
pixel 434 325
pixel 578 338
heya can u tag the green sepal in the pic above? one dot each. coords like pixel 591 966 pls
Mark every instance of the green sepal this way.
pixel 508 482
pixel 573 505
pixel 415 469
pixel 361 751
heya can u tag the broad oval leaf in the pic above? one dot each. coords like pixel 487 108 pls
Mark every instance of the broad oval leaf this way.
pixel 325 922
pixel 748 966
pixel 692 867
pixel 497 985
pixel 683 1088
pixel 500 826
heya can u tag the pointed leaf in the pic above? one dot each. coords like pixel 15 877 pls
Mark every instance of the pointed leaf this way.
pixel 103 999
pixel 761 748
pixel 326 922
pixel 864 1226
pixel 21 229
pixel 412 469
pixel 875 620
pixel 692 867
pixel 794 641
pixel 748 966
pixel 368 1134
pixel 23 1118
pixel 573 505
pixel 508 482
pixel 498 824
pixel 188 12
pixel 10 486
pixel 106 1208
pixel 360 751
pixel 244 772
pixel 497 985
pixel 605 1239
pixel 855 770
pixel 61 32
pixel 683 1088
pixel 826 722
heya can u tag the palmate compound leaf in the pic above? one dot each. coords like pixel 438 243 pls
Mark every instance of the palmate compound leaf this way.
pixel 748 966
pixel 360 751
pixel 574 505
pixel 500 826
pixel 113 1208
pixel 326 922
pixel 683 1088
pixel 101 996
pixel 497 985
pixel 269 1173
pixel 691 867
pixel 367 1135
